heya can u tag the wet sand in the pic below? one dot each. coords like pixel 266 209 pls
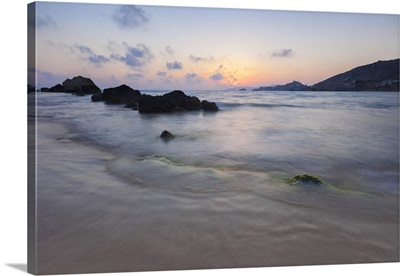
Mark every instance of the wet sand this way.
pixel 90 220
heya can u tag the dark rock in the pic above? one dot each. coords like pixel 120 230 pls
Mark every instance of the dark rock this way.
pixel 134 106
pixel 122 94
pixel 80 85
pixel 209 106
pixel 166 135
pixel 171 102
pixel 293 86
pixel 57 88
pixel 44 89
pixel 97 98
pixel 304 179
pixel 31 88
pixel 243 89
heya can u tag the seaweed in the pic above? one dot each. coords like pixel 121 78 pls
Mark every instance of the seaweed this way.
pixel 305 179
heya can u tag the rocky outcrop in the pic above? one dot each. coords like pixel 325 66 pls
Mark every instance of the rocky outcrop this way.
pixel 77 85
pixel 122 94
pixel 166 135
pixel 170 102
pixel 31 88
pixel 292 86
pixel 80 85
pixel 209 106
pixel 57 88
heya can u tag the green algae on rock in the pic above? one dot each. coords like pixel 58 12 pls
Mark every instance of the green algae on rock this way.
pixel 304 179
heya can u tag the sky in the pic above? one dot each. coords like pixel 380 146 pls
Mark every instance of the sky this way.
pixel 13 141
pixel 160 47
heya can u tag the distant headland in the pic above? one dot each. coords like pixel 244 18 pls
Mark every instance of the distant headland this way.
pixel 379 76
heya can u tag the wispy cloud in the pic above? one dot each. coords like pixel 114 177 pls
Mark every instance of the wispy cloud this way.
pixel 130 17
pixel 69 49
pixel 135 57
pixel 82 51
pixel 282 53
pixel 169 50
pixel 89 55
pixel 98 59
pixel 134 76
pixel 48 79
pixel 175 65
pixel 193 77
pixel 218 75
pixel 161 73
pixel 46 22
pixel 193 58
pixel 224 76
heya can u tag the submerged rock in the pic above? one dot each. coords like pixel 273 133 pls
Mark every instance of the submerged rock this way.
pixel 166 135
pixel 304 179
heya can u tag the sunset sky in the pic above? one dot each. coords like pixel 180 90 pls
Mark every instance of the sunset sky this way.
pixel 150 47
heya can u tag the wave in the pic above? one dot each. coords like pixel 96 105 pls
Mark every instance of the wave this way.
pixel 393 105
pixel 260 105
pixel 167 174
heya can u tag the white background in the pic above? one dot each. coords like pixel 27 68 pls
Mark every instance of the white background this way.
pixel 13 143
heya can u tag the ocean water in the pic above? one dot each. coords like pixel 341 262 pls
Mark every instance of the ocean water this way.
pixel 113 196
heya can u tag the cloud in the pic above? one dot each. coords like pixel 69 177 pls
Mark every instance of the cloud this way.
pixel 98 59
pixel 47 22
pixel 161 74
pixel 80 50
pixel 135 57
pixel 193 77
pixel 61 46
pixel 90 55
pixel 47 75
pixel 48 79
pixel 130 17
pixel 193 58
pixel 282 53
pixel 169 51
pixel 224 76
pixel 134 76
pixel 83 49
pixel 217 76
pixel 176 65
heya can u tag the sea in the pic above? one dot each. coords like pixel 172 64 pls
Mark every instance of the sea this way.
pixel 112 196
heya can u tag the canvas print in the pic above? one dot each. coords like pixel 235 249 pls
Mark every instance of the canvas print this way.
pixel 180 138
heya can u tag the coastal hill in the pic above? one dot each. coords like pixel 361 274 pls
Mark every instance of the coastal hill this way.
pixel 378 76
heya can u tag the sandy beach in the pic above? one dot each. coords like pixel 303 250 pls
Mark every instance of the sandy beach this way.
pixel 90 220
